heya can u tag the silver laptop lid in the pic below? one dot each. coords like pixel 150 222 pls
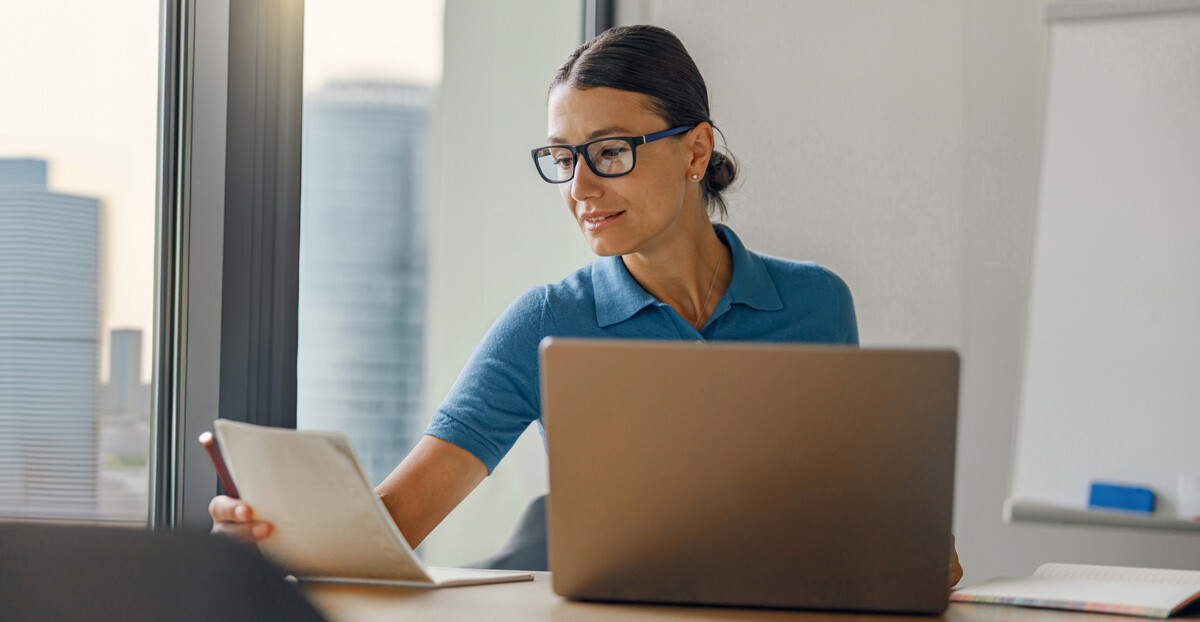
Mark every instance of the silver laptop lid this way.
pixel 750 474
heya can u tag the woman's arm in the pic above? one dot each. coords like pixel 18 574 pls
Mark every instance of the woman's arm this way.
pixel 430 482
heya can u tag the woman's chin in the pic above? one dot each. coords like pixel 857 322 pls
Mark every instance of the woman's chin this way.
pixel 601 246
pixel 601 251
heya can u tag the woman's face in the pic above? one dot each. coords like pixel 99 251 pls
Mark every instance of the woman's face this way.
pixel 634 212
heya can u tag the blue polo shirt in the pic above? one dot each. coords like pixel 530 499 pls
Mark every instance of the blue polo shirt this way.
pixel 498 394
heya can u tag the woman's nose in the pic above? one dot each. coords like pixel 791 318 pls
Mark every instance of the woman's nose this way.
pixel 586 184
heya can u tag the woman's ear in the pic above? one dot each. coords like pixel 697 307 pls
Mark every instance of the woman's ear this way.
pixel 700 146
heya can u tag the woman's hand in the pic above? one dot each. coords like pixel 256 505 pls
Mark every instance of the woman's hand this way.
pixel 233 518
pixel 956 571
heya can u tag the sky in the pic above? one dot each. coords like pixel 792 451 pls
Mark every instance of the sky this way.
pixel 79 88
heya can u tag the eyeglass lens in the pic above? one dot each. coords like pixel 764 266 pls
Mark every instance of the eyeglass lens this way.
pixel 607 157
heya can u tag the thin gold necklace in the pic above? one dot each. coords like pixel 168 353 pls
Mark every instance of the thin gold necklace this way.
pixel 700 315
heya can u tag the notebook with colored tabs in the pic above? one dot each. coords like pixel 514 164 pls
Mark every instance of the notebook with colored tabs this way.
pixel 1146 592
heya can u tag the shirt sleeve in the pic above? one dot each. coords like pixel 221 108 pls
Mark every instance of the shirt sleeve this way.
pixel 497 394
pixel 846 316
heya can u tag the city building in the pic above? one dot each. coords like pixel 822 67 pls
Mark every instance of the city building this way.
pixel 363 267
pixel 123 431
pixel 125 391
pixel 48 326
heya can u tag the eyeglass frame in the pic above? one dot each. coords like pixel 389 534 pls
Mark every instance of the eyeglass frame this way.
pixel 581 150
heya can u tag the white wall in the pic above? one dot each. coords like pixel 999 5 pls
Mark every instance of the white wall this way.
pixel 847 119
pixel 897 143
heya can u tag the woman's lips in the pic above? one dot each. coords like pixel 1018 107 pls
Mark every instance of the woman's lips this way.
pixel 596 221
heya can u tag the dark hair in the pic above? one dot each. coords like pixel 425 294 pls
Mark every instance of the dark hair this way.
pixel 652 61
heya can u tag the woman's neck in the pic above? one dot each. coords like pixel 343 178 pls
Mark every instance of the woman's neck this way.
pixel 689 271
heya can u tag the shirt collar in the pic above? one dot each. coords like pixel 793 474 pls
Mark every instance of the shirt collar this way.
pixel 619 297
pixel 752 284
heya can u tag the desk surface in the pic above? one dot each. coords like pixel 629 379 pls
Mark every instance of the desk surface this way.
pixel 537 601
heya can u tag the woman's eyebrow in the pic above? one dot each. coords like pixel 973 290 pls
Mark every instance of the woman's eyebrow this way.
pixel 614 129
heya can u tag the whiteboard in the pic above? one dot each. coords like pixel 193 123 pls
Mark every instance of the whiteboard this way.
pixel 1111 378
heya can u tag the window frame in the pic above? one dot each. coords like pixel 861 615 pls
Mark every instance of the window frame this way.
pixel 598 16
pixel 228 232
pixel 228 235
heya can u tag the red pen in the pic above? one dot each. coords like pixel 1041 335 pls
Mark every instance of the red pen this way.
pixel 214 453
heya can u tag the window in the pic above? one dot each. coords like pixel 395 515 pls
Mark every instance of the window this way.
pixel 77 217
pixel 441 240
pixel 413 239
pixel 370 71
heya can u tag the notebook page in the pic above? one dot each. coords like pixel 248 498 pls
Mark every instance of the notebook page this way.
pixel 328 520
pixel 1119 573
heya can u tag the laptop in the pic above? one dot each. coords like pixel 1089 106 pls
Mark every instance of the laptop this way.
pixel 750 474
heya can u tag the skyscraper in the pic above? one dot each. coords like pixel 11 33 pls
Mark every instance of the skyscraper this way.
pixel 123 431
pixel 125 391
pixel 48 297
pixel 362 266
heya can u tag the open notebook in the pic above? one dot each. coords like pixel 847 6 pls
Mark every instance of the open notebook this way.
pixel 1145 592
pixel 329 523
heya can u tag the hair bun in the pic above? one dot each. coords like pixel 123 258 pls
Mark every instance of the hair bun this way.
pixel 721 172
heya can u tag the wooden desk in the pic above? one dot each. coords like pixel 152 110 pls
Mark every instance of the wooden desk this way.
pixel 537 601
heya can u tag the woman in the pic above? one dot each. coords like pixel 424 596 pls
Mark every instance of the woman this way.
pixel 632 152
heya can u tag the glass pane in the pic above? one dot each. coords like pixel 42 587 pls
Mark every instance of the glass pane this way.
pixel 77 196
pixel 369 70
pixel 421 220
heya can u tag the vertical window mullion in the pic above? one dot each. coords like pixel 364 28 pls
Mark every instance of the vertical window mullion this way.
pixel 228 320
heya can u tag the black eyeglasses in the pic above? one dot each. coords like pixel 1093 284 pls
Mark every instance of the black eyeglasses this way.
pixel 607 157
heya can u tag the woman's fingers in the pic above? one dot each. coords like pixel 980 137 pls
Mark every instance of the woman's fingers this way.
pixel 252 531
pixel 956 569
pixel 233 518
pixel 225 509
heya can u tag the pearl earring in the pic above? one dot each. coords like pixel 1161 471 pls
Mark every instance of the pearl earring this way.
pixel 695 177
